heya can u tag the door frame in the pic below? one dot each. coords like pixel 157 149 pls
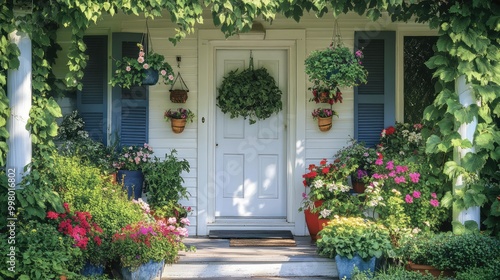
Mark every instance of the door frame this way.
pixel 209 41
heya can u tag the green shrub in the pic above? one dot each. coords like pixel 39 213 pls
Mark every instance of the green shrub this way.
pixel 447 251
pixel 41 252
pixel 392 273
pixel 489 272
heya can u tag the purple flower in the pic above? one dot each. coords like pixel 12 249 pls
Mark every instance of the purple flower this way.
pixel 359 53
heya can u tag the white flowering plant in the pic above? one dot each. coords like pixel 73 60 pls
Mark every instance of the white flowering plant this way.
pixel 403 140
pixel 132 71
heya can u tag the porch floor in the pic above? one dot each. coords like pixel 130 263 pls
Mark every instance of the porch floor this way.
pixel 215 259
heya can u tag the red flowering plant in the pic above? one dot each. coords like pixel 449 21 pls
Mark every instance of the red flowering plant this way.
pixel 86 234
pixel 406 201
pixel 327 184
pixel 141 242
pixel 324 94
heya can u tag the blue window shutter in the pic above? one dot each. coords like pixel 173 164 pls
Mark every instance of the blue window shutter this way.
pixel 130 106
pixel 374 102
pixel 91 100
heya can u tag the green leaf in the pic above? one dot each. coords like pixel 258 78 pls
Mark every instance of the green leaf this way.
pixel 473 162
pixel 431 144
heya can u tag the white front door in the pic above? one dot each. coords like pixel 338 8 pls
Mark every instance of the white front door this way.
pixel 250 161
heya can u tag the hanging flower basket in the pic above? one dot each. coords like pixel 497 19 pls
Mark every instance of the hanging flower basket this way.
pixel 325 124
pixel 178 118
pixel 324 117
pixel 178 125
pixel 179 95
pixel 151 77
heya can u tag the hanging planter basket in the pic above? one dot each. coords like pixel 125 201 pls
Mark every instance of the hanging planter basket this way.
pixel 325 124
pixel 151 78
pixel 179 95
pixel 178 125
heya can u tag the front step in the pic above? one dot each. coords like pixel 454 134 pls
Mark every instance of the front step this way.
pixel 214 258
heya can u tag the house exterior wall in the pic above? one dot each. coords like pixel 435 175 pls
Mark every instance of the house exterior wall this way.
pixel 311 145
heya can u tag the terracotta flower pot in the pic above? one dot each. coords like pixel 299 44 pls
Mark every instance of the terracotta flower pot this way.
pixel 358 187
pixel 314 222
pixel 178 125
pixel 424 269
pixel 325 124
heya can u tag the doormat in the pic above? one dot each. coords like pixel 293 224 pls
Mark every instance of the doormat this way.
pixel 262 242
pixel 250 234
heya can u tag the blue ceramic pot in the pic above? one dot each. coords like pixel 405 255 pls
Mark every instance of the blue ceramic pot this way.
pixel 132 181
pixel 345 265
pixel 151 78
pixel 147 271
pixel 92 269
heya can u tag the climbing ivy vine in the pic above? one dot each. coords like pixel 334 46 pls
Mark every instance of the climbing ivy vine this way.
pixel 468 45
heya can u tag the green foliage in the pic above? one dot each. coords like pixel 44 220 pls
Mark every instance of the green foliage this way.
pixel 349 236
pixel 42 253
pixel 336 66
pixel 164 180
pixel 249 93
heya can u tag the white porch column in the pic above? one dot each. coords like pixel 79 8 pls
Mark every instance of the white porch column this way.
pixel 466 131
pixel 19 94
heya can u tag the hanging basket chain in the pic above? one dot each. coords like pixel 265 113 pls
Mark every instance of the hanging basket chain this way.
pixel 149 42
pixel 183 84
pixel 336 37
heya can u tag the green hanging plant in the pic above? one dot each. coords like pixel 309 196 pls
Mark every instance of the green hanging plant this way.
pixel 250 93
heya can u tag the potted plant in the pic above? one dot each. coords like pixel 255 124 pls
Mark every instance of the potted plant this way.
pixel 144 248
pixel 250 94
pixel 129 163
pixel 328 196
pixel 178 118
pixel 143 70
pixel 334 67
pixel 354 242
pixel 359 158
pixel 324 117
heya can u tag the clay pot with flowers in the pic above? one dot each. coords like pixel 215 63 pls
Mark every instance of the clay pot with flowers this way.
pixel 178 118
pixel 145 69
pixel 324 117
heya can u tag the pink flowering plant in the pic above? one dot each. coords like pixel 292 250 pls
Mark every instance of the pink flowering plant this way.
pixel 131 71
pixel 133 157
pixel 86 234
pixel 405 195
pixel 141 242
pixel 323 113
